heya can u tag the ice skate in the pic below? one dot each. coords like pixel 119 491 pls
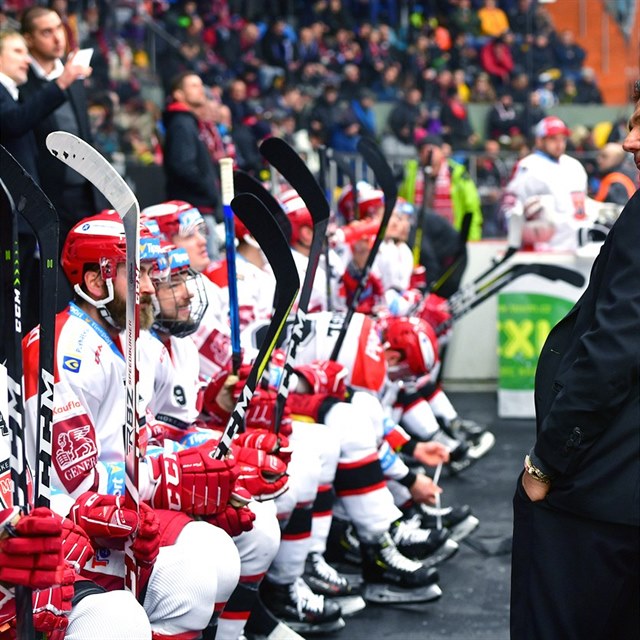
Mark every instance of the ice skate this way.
pixel 263 625
pixel 324 580
pixel 343 544
pixel 301 609
pixel 392 578
pixel 428 546
pixel 458 520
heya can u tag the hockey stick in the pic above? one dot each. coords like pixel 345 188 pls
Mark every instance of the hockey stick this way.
pixel 34 206
pixel 483 291
pixel 245 183
pixel 291 166
pixel 265 230
pixel 324 169
pixel 13 354
pixel 427 193
pixel 90 164
pixel 226 180
pixel 374 158
pixel 456 265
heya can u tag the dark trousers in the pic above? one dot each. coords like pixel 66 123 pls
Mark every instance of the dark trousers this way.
pixel 572 577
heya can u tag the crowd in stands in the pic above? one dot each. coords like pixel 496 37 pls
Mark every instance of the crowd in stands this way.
pixel 312 72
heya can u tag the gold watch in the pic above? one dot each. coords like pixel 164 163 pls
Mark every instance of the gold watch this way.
pixel 534 472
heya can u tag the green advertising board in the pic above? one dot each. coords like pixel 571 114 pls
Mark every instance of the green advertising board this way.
pixel 524 322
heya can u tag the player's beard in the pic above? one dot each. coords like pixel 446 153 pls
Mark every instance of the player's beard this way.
pixel 118 310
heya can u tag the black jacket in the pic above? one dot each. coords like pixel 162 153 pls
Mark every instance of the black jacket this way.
pixel 50 169
pixel 188 166
pixel 18 120
pixel 587 388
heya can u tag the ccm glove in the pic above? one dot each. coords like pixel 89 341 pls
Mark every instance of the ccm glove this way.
pixel 31 548
pixel 192 481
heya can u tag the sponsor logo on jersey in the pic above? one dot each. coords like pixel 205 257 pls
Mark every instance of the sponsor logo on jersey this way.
pixel 101 558
pixel 71 363
pixel 67 408
pixel 76 454
pixel 97 354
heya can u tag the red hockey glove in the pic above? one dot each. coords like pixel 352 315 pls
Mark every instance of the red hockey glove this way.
pixel 261 412
pixel 192 481
pixel 76 546
pixel 310 405
pixel 146 545
pixel 51 607
pixel 233 520
pixel 434 310
pixel 262 474
pixel 220 396
pixel 371 295
pixel 32 554
pixel 104 518
pixel 418 279
pixel 325 377
pixel 277 445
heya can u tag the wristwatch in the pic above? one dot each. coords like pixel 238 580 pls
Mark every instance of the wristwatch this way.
pixel 534 472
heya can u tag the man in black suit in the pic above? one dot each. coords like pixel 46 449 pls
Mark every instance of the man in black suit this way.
pixel 18 118
pixel 73 197
pixel 576 542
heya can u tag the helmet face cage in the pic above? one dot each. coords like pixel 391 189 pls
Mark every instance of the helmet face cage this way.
pixel 182 283
pixel 174 218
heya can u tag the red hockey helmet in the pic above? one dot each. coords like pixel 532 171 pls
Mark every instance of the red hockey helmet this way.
pixel 297 213
pixel 417 344
pixel 370 200
pixel 100 240
pixel 175 218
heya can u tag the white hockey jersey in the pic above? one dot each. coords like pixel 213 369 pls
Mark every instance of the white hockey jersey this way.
pixel 565 181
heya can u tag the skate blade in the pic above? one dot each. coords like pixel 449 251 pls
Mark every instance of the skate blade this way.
pixel 280 632
pixel 484 445
pixel 443 552
pixel 310 629
pixel 350 604
pixel 464 528
pixel 390 594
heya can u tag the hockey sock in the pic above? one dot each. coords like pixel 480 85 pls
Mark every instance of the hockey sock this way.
pixel 294 547
pixel 322 514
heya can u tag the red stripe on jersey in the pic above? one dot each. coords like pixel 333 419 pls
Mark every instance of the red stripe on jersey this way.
pixel 361 490
pixel 358 463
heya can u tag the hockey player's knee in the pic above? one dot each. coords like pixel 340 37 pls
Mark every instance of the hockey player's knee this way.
pixel 87 618
pixel 258 547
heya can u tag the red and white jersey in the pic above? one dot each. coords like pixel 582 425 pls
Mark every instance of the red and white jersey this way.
pixel 565 181
pixel 177 365
pixel 361 350
pixel 213 336
pixel 394 265
pixel 256 288
pixel 89 405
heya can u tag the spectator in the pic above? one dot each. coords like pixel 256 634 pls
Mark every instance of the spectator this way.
pixel 497 60
pixel 618 180
pixel 460 83
pixel 351 83
pixel 587 88
pixel 345 133
pixel 491 177
pixel 540 57
pixel 482 92
pixel 520 88
pixel 325 112
pixel 525 19
pixel 532 113
pixel 493 20
pixel 406 115
pixel 503 121
pixel 464 19
pixel 547 96
pixel 277 53
pixel 188 167
pixel 456 127
pixel 363 110
pixel 385 86
pixel 569 54
pixel 73 197
pixel 568 91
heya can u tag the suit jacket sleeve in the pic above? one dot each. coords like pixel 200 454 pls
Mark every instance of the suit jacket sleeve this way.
pixel 17 118
pixel 604 364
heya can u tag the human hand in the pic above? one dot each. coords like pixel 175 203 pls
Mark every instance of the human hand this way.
pixel 424 490
pixel 431 453
pixel 536 490
pixel 72 72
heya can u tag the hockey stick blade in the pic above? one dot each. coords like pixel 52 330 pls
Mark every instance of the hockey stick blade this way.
pixel 487 289
pixel 374 158
pixel 34 206
pixel 245 183
pixel 267 233
pixel 90 164
pixel 287 161
pixel 458 262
